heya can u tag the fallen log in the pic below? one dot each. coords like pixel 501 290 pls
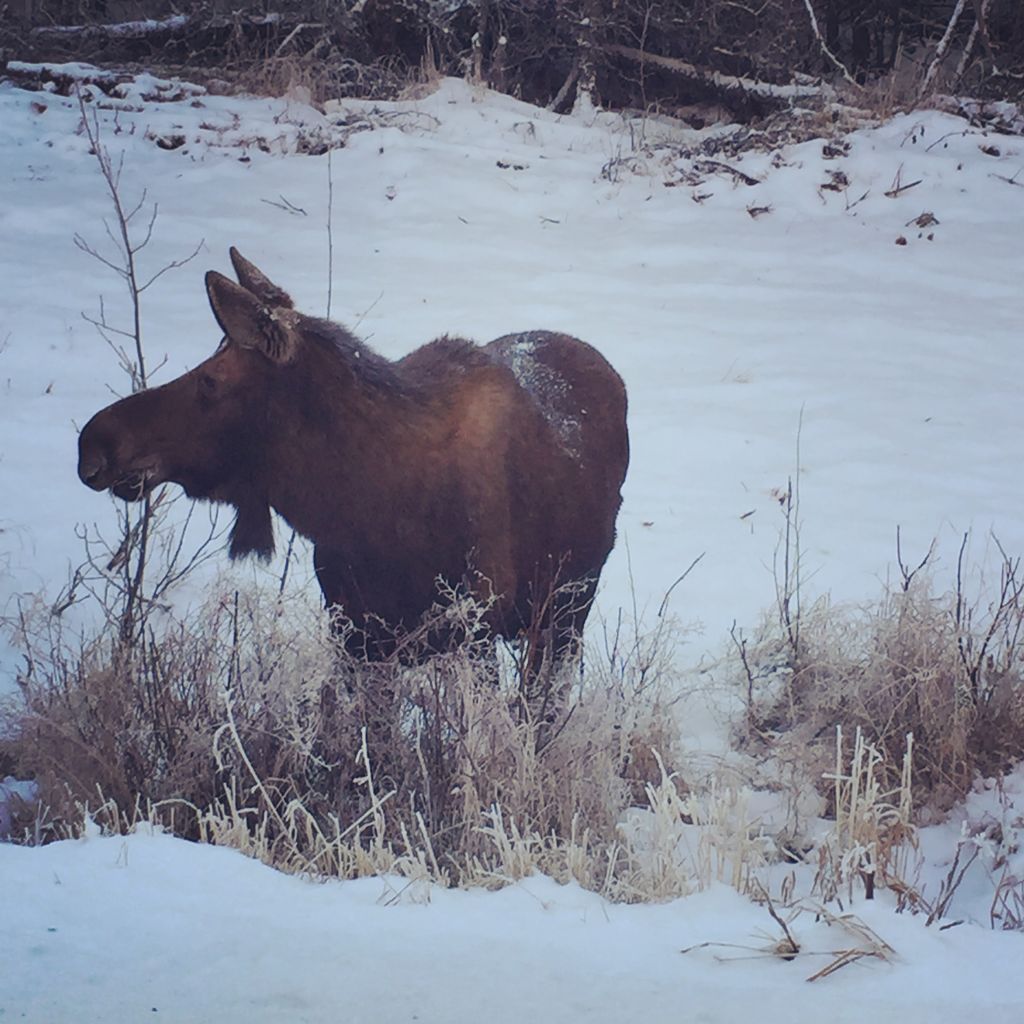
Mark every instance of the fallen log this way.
pixel 731 89
pixel 175 39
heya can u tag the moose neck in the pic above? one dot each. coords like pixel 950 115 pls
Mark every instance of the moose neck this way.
pixel 344 427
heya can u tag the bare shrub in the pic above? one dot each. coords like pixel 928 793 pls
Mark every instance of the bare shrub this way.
pixel 249 724
pixel 947 669
pixel 311 77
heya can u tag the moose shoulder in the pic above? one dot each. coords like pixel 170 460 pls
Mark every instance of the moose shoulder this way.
pixel 499 465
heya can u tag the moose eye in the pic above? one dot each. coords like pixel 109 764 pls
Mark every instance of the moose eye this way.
pixel 207 385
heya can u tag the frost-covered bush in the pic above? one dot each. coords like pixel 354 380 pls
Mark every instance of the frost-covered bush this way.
pixel 248 724
pixel 912 663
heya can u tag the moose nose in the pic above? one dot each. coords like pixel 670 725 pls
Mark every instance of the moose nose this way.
pixel 90 469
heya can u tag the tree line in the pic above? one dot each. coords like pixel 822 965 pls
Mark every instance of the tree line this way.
pixel 745 55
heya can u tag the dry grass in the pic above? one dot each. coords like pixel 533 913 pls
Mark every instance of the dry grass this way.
pixel 247 725
pixel 873 840
pixel 311 78
pixel 937 667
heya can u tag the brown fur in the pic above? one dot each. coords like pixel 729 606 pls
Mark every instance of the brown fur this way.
pixel 498 465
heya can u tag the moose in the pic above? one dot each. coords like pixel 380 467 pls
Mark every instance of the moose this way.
pixel 497 467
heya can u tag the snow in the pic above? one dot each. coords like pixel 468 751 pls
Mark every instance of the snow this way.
pixel 128 28
pixel 124 928
pixel 545 384
pixel 800 344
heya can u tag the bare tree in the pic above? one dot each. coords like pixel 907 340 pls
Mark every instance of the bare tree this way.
pixel 126 562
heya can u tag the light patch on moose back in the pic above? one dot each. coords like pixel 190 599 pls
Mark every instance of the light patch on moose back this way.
pixel 552 393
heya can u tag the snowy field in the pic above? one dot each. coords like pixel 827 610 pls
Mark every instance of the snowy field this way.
pixel 801 343
pixel 152 928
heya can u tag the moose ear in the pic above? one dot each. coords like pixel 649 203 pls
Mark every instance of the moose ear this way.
pixel 254 280
pixel 247 322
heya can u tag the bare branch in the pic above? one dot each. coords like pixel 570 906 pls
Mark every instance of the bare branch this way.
pixel 174 265
pixel 668 593
pixel 940 50
pixel 838 64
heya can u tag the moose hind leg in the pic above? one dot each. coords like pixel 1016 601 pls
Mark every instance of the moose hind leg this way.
pixel 572 606
pixel 550 646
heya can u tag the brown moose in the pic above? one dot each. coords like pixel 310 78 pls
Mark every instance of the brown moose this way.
pixel 498 466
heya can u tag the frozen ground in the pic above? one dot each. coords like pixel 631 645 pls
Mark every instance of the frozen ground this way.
pixel 152 928
pixel 803 342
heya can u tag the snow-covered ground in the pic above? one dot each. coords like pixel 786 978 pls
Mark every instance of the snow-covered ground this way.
pixel 152 928
pixel 801 343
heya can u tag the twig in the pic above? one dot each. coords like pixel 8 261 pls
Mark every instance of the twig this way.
pixel 689 569
pixel 295 31
pixel 962 133
pixel 898 188
pixel 951 883
pixel 741 647
pixel 1009 181
pixel 789 597
pixel 845 957
pixel 726 945
pixel 707 166
pixel 232 730
pixel 790 945
pixel 174 264
pixel 287 205
pixel 287 563
pixel 366 312
pixel 909 574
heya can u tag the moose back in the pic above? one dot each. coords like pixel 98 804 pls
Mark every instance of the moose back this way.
pixel 497 466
